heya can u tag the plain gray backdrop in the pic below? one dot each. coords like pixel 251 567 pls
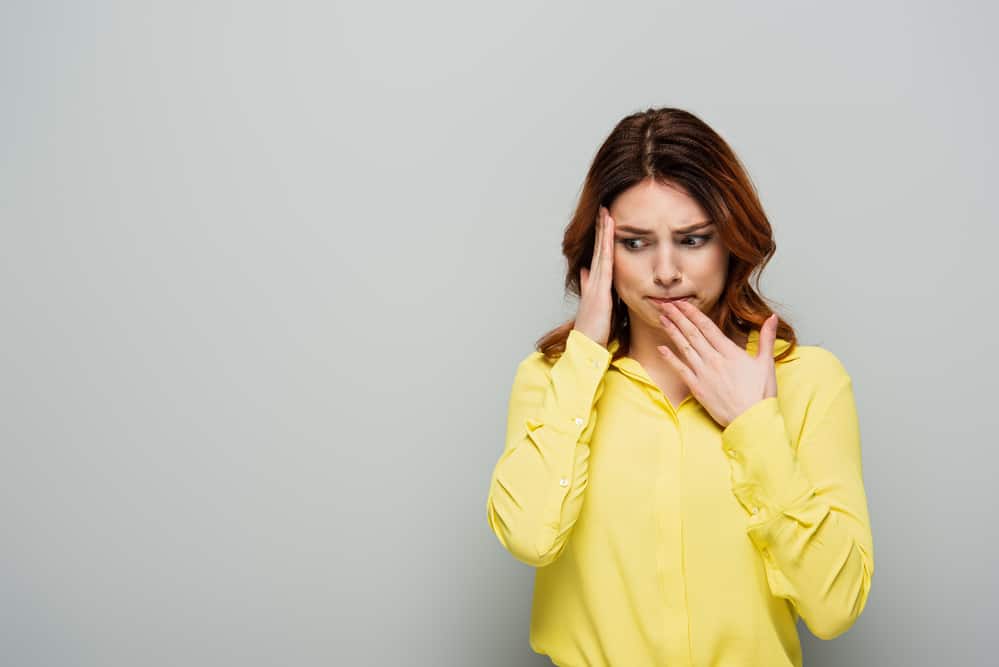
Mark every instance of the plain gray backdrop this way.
pixel 268 269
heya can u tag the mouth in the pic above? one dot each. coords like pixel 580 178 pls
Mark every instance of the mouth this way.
pixel 673 300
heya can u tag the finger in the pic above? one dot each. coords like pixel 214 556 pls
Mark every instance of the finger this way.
pixel 690 354
pixel 688 375
pixel 714 336
pixel 771 389
pixel 768 335
pixel 603 273
pixel 597 249
pixel 608 267
pixel 691 335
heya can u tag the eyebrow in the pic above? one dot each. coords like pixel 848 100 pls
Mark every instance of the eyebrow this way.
pixel 683 230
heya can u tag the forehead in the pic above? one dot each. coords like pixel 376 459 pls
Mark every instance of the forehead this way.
pixel 656 206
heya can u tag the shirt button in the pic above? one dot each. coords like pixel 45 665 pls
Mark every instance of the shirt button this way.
pixel 594 363
pixel 563 482
pixel 578 420
pixel 731 453
pixel 754 510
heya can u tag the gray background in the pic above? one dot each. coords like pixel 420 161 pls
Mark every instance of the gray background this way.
pixel 268 269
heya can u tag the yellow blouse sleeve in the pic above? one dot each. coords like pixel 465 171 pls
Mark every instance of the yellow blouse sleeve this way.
pixel 806 503
pixel 537 486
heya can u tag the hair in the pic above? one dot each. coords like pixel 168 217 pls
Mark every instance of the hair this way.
pixel 675 147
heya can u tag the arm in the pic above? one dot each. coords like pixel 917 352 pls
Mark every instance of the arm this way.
pixel 807 507
pixel 537 485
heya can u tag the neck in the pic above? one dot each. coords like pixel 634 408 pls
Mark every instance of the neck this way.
pixel 642 348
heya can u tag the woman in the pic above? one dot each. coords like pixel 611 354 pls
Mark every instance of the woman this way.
pixel 684 476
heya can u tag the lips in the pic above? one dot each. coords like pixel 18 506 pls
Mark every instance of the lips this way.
pixel 678 298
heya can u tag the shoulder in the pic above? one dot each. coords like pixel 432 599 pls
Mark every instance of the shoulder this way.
pixel 534 362
pixel 581 360
pixel 819 363
pixel 579 348
pixel 812 377
pixel 533 373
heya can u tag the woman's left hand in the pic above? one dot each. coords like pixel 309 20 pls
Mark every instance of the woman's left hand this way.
pixel 719 373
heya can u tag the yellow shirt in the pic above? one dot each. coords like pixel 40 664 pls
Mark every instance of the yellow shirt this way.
pixel 660 538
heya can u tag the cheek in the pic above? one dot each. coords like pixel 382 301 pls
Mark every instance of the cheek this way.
pixel 626 270
pixel 709 275
pixel 715 264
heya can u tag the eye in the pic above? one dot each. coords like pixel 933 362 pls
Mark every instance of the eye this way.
pixel 699 240
pixel 625 243
pixel 704 238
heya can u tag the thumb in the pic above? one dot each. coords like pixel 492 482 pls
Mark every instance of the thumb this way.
pixel 768 334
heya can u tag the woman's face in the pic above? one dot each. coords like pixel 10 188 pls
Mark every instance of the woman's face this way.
pixel 658 253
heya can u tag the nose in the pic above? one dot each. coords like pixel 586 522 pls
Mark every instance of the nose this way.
pixel 667 269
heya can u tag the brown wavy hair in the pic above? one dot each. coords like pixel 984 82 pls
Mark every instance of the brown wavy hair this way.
pixel 674 146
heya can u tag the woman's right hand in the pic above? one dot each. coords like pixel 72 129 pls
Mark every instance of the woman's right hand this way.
pixel 593 319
